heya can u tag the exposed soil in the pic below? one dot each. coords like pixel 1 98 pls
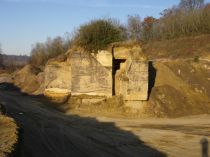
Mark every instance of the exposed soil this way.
pixel 8 135
pixel 180 88
pixel 48 132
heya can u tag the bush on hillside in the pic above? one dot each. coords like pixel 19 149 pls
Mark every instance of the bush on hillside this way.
pixel 98 34
pixel 42 52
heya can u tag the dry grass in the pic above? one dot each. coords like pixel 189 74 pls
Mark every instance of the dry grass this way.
pixel 114 106
pixel 178 48
pixel 8 135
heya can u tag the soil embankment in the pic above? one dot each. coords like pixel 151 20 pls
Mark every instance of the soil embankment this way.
pixel 179 88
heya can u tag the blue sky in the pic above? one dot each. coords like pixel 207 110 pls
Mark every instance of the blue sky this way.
pixel 25 22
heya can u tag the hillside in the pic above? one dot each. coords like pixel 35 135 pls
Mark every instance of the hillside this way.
pixel 188 47
pixel 179 75
pixel 180 88
pixel 179 83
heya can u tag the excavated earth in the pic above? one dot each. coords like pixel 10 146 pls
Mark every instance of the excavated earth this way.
pixel 47 132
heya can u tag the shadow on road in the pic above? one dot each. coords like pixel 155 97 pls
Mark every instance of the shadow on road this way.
pixel 48 132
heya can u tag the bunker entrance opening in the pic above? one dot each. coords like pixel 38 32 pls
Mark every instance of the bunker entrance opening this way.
pixel 115 66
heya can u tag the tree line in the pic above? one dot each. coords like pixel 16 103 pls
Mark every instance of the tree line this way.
pixel 188 18
pixel 42 52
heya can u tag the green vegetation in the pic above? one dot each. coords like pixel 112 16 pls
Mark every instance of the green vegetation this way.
pixel 98 34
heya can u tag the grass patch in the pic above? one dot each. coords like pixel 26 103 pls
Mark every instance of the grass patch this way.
pixel 178 48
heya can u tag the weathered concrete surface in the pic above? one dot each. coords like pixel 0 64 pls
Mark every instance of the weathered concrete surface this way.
pixel 81 73
pixel 132 80
pixel 57 79
pixel 89 76
pixel 133 51
pixel 137 86
pixel 121 79
pixel 78 73
pixel 104 58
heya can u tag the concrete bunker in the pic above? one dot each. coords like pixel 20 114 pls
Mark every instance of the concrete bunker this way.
pixel 120 72
pixel 131 77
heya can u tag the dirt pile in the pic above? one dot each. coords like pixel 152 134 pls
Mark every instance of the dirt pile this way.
pixel 8 135
pixel 29 79
pixel 181 88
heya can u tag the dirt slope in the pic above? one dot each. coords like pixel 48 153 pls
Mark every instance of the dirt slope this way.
pixel 188 47
pixel 180 88
pixel 30 79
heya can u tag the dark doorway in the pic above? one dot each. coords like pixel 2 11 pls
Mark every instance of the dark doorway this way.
pixel 115 66
pixel 152 77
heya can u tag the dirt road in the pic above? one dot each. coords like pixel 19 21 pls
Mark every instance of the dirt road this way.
pixel 48 132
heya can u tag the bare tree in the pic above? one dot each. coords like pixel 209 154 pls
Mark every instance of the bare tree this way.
pixel 42 52
pixel 134 27
pixel 191 4
pixel 148 28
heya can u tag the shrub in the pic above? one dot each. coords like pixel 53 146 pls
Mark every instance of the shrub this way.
pixel 98 34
